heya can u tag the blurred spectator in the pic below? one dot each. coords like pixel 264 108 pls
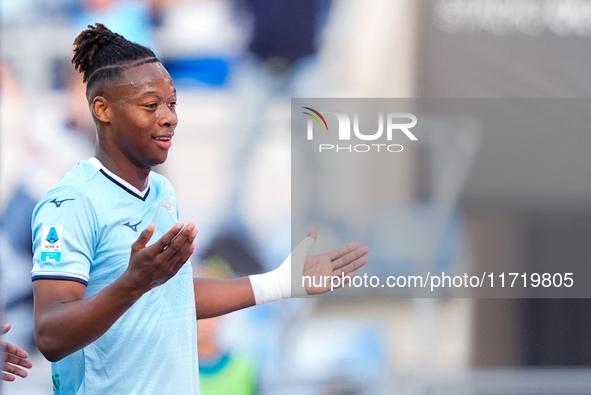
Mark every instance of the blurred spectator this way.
pixel 281 61
pixel 221 371
pixel 55 141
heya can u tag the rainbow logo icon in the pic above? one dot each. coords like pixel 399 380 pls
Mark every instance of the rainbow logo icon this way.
pixel 316 119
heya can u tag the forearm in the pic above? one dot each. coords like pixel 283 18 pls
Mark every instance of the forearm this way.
pixel 218 297
pixel 214 297
pixel 63 328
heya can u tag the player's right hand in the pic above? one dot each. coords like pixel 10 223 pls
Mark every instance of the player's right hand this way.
pixel 152 266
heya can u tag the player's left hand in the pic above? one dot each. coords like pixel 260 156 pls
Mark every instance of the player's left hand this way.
pixel 314 274
pixel 340 263
pixel 13 357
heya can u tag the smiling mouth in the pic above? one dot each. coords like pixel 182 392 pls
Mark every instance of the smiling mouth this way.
pixel 164 142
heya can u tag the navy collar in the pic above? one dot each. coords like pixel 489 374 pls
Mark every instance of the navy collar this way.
pixel 120 182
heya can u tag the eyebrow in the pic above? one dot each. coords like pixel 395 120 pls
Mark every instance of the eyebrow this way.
pixel 154 93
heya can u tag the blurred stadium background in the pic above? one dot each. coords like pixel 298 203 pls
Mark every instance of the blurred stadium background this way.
pixel 373 48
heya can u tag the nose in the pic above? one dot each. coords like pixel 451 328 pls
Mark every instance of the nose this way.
pixel 167 117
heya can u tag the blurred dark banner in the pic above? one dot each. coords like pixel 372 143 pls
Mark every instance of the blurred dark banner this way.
pixel 505 48
pixel 522 49
pixel 515 49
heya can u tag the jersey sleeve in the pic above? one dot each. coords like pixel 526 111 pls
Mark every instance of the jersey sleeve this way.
pixel 64 232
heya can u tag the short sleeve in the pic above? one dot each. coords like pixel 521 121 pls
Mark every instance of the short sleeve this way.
pixel 64 232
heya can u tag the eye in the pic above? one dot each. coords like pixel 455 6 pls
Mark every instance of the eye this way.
pixel 151 105
pixel 172 104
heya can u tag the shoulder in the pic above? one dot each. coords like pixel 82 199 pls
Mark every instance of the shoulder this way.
pixel 79 176
pixel 64 202
pixel 77 182
pixel 59 195
pixel 71 196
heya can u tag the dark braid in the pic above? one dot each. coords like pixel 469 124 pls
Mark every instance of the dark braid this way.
pixel 101 55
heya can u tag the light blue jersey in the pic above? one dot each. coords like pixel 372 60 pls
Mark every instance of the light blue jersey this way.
pixel 83 230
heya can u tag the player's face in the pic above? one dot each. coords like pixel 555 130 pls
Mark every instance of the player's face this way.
pixel 143 114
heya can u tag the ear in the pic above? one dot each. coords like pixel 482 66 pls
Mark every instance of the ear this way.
pixel 101 109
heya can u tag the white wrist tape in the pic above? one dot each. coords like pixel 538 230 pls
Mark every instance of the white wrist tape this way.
pixel 276 284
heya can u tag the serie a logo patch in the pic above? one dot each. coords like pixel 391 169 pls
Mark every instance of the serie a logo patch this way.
pixel 51 243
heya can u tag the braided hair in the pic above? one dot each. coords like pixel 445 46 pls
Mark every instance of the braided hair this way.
pixel 102 55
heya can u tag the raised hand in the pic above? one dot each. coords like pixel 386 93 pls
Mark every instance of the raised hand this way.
pixel 154 265
pixel 340 263
pixel 13 357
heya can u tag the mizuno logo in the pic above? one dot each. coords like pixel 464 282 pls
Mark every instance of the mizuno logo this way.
pixel 58 203
pixel 132 227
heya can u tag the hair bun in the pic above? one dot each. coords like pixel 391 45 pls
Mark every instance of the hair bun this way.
pixel 89 43
pixel 103 35
pixel 101 55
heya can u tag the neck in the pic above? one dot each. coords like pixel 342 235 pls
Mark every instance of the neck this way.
pixel 123 168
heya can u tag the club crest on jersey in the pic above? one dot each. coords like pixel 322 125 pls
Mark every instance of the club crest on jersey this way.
pixel 168 207
pixel 51 243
